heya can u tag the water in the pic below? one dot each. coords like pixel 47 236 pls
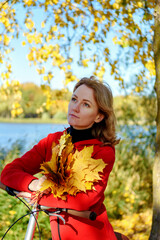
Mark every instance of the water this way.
pixel 30 133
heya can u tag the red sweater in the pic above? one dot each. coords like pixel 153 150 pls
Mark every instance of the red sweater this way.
pixel 19 174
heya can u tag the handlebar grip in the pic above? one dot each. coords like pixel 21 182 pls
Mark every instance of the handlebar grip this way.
pixel 84 214
pixel 10 191
pixel 2 186
pixel 92 216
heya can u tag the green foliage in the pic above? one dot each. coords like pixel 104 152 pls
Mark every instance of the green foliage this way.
pixel 130 108
pixel 34 102
pixel 130 184
pixel 134 109
pixel 11 210
pixel 32 98
pixel 45 115
pixel 60 115
pixel 8 155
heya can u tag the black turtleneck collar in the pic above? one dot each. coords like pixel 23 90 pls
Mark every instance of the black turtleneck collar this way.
pixel 80 135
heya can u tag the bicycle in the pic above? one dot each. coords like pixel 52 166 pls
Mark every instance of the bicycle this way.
pixel 50 211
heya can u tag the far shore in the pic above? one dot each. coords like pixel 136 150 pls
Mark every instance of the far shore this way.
pixel 33 120
pixel 61 121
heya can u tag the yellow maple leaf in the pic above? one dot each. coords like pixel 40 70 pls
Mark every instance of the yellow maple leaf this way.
pixel 70 172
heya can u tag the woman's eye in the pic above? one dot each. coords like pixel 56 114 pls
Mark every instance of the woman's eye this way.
pixel 73 99
pixel 86 104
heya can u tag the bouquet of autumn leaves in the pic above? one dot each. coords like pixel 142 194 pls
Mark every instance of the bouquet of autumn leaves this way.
pixel 69 171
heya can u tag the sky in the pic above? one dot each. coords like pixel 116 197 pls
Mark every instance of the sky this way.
pixel 22 71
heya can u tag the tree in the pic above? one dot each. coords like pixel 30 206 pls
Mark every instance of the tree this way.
pixel 89 28
pixel 83 26
pixel 155 232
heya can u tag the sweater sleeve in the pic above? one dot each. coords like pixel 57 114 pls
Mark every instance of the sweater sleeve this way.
pixel 19 173
pixel 85 201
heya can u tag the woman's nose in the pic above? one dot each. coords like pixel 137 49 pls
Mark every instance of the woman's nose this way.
pixel 76 107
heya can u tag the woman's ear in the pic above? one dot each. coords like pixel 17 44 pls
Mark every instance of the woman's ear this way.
pixel 99 118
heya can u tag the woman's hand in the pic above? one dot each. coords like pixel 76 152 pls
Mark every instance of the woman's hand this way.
pixel 34 186
pixel 24 195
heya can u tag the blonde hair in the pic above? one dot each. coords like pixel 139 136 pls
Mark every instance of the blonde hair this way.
pixel 104 130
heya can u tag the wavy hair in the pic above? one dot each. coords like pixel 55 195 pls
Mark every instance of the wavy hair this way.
pixel 104 130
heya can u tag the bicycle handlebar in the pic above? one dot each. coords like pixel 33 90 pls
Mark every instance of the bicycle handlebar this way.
pixel 2 186
pixel 84 214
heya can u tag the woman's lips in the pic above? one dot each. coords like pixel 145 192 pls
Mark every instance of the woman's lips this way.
pixel 72 115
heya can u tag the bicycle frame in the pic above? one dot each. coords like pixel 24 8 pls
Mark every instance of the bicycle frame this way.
pixel 49 210
pixel 31 226
pixel 34 216
pixel 35 211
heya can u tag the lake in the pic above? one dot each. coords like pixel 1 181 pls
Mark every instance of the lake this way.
pixel 31 133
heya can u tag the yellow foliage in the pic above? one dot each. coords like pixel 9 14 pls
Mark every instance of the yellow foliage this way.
pixel 29 24
pixel 116 5
pixel 70 171
pixel 100 73
pixel 49 37
pixel 35 37
pixel 140 4
pixel 29 2
pixel 7 223
pixel 41 70
pixel 23 43
pixel 76 15
pixel 6 40
pixel 15 83
pixel 55 28
pixel 85 62
pixel 6 84
pixel 151 68
pixel 5 76
pixel 136 226
pixel 59 105
pixel 12 212
pixel 115 40
pixel 16 109
pixel 1 60
pixel 137 89
pixel 45 78
pixel 42 24
pixel 30 56
pixel 69 67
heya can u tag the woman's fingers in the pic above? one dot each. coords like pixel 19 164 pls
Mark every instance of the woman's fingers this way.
pixel 47 191
pixel 35 185
pixel 24 194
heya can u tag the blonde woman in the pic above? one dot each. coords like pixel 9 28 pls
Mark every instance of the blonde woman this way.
pixel 92 123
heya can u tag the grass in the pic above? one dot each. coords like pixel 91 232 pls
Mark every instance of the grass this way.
pixel 11 209
pixel 136 226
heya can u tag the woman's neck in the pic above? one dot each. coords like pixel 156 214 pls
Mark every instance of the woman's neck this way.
pixel 80 135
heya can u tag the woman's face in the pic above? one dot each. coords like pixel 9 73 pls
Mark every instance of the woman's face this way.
pixel 83 109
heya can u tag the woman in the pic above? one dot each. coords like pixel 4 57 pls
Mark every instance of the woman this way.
pixel 92 123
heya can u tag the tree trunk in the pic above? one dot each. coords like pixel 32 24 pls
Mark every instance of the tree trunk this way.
pixel 155 231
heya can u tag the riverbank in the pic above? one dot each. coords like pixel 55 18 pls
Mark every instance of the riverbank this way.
pixel 32 120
